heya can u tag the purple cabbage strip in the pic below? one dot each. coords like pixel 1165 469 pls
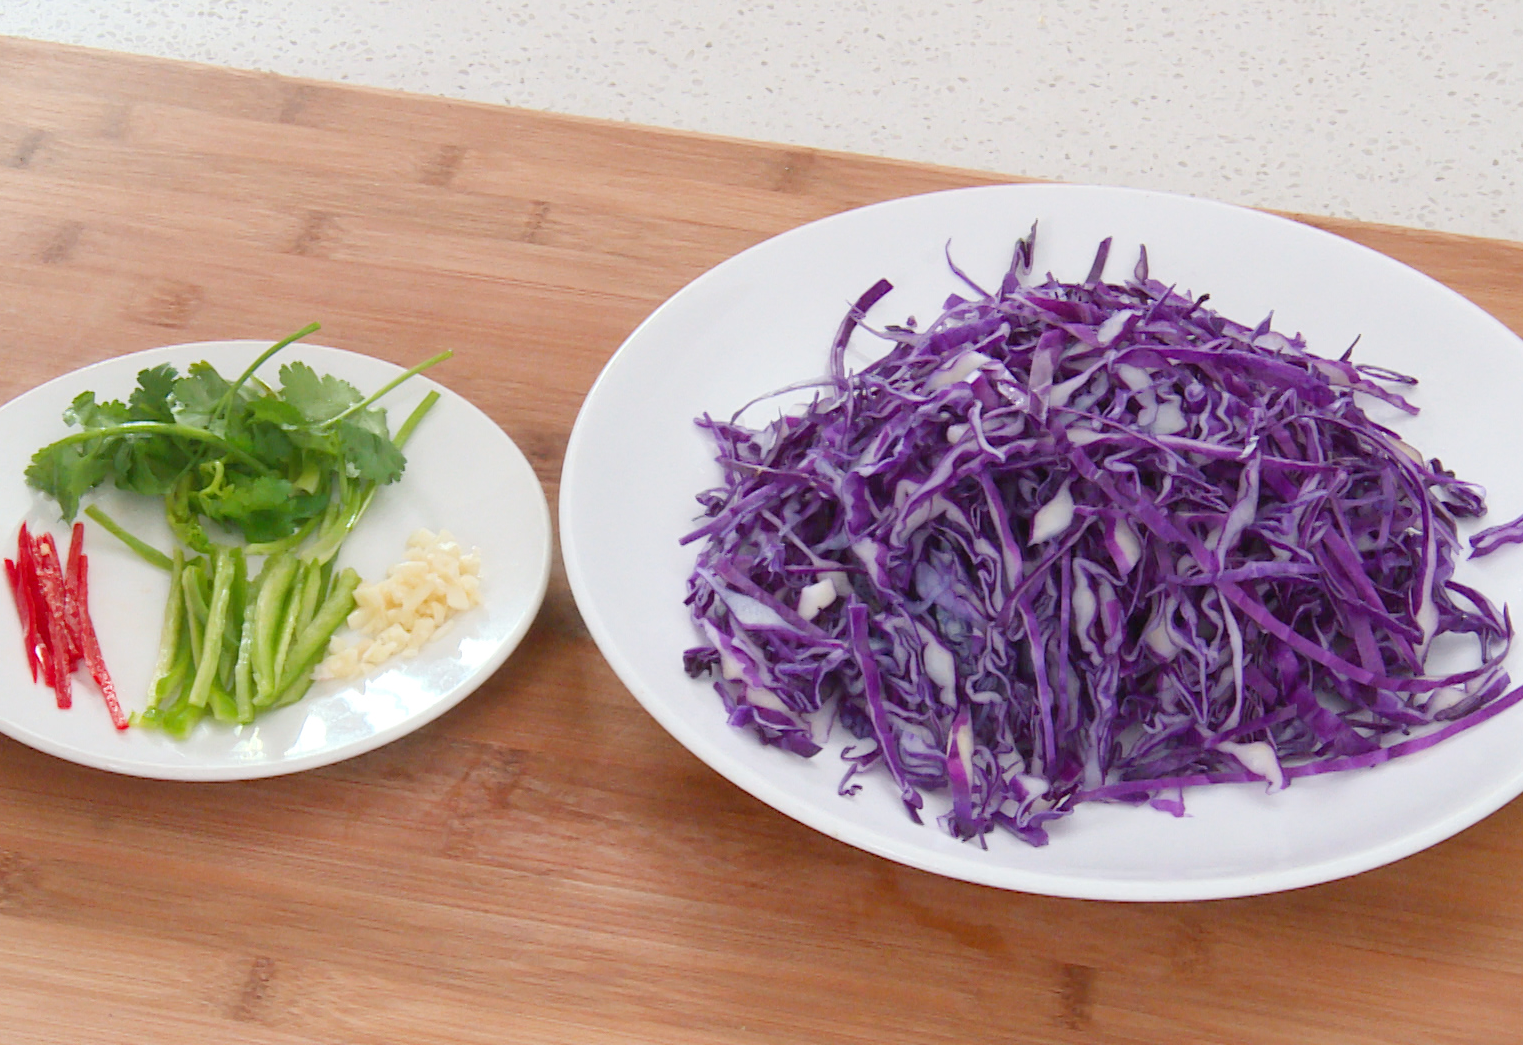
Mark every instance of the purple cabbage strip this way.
pixel 1489 540
pixel 1088 542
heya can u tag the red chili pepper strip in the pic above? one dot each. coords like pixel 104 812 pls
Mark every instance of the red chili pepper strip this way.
pixel 88 639
pixel 66 570
pixel 76 551
pixel 50 580
pixel 24 611
pixel 27 568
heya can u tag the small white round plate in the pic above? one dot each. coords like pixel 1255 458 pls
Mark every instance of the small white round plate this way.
pixel 463 475
pixel 765 319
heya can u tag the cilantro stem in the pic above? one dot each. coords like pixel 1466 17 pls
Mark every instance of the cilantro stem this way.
pixel 145 551
pixel 393 383
pixel 227 397
pixel 405 432
pixel 353 502
pixel 162 428
pixel 288 542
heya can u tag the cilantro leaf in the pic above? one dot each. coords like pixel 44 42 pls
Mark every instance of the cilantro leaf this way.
pixel 317 399
pixel 270 443
pixel 260 493
pixel 371 420
pixel 197 396
pixel 272 410
pixel 263 508
pixel 148 466
pixel 67 472
pixel 85 412
pixel 368 455
pixel 150 400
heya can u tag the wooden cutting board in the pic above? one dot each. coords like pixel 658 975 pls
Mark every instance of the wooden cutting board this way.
pixel 544 864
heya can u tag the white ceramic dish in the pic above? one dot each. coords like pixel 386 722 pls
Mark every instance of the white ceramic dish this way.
pixel 765 319
pixel 464 475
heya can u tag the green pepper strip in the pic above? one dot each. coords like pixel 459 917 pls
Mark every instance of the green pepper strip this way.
pixel 169 634
pixel 313 641
pixel 269 606
pixel 299 610
pixel 216 623
pixel 243 669
pixel 195 606
pixel 169 695
pixel 224 706
pixel 181 719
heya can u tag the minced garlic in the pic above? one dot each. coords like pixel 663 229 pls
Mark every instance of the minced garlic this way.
pixel 414 604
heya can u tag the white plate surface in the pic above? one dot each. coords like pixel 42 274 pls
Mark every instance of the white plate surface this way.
pixel 463 474
pixel 765 319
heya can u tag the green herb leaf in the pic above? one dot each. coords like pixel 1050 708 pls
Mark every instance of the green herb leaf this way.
pixel 148 467
pixel 67 472
pixel 274 411
pixel 150 401
pixel 368 455
pixel 259 494
pixel 318 399
pixel 85 412
pixel 197 395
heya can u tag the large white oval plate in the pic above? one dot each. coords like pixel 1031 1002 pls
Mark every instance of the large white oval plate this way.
pixel 765 319
pixel 463 475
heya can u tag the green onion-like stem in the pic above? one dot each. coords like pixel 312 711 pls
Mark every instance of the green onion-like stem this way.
pixel 162 428
pixel 227 397
pixel 147 552
pixel 393 383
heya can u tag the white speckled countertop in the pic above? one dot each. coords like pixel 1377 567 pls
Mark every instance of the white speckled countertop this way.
pixel 1408 112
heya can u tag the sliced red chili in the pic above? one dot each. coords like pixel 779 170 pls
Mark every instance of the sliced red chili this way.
pixel 89 640
pixel 59 646
pixel 53 601
pixel 76 551
pixel 39 636
pixel 23 599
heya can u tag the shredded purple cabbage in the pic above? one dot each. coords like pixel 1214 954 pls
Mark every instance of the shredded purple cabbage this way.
pixel 1489 540
pixel 1088 541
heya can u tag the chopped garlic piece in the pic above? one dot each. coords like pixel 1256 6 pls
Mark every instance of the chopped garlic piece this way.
pixel 413 605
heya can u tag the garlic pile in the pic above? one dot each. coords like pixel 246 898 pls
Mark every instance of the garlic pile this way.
pixel 413 604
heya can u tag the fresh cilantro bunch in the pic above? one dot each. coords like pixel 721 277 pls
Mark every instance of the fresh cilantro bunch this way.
pixel 262 462
pixel 289 469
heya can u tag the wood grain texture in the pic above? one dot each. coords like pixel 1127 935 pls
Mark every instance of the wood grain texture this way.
pixel 544 864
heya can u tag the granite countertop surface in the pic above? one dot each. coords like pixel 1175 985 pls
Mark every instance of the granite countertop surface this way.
pixel 1406 113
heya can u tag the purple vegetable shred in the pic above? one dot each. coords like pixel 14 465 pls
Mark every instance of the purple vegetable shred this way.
pixel 1088 542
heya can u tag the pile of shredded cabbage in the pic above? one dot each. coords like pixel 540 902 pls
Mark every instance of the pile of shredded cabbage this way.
pixel 1087 541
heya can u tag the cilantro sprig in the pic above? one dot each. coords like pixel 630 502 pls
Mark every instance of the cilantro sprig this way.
pixel 284 472
pixel 259 461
